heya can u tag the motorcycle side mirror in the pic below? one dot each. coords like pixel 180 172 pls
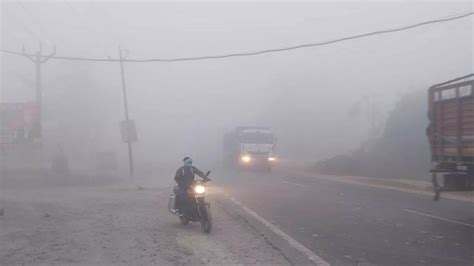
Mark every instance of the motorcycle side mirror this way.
pixel 208 173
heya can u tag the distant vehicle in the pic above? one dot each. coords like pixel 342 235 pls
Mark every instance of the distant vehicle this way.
pixel 451 133
pixel 249 147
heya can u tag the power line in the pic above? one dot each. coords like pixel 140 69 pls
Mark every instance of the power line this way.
pixel 259 52
pixel 308 44
pixel 11 52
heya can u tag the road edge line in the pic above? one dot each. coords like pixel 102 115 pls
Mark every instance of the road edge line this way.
pixel 439 218
pixel 414 190
pixel 293 243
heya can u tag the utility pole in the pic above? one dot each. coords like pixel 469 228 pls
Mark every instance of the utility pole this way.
pixel 4 173
pixel 38 59
pixel 127 121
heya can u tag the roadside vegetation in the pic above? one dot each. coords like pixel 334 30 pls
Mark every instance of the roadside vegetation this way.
pixel 402 150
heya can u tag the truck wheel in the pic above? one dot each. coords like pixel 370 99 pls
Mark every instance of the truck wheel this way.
pixel 450 183
pixel 457 182
pixel 269 169
pixel 463 183
pixel 470 180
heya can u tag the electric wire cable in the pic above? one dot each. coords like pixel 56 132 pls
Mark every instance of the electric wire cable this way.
pixel 260 52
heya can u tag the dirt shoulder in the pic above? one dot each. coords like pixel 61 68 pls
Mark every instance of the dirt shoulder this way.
pixel 119 225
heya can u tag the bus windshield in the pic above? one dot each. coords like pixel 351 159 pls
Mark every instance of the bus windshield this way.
pixel 257 138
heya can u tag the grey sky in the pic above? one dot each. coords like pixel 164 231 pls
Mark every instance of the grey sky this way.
pixel 184 107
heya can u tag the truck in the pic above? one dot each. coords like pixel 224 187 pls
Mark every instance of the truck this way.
pixel 249 147
pixel 451 134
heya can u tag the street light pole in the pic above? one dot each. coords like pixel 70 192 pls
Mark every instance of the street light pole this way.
pixel 38 59
pixel 125 102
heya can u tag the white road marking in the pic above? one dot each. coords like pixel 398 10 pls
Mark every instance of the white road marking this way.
pixel 439 218
pixel 292 183
pixel 295 244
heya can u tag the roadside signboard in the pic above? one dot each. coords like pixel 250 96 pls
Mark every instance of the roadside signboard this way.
pixel 19 121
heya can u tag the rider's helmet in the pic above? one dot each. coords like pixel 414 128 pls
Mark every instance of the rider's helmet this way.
pixel 188 161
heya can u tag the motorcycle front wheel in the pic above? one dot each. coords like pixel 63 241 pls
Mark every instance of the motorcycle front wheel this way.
pixel 206 219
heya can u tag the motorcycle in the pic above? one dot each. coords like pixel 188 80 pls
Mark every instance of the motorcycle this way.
pixel 198 210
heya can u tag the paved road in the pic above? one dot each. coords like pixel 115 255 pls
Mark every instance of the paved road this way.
pixel 355 224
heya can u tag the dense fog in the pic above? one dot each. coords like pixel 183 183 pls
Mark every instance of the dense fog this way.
pixel 320 101
pixel 313 133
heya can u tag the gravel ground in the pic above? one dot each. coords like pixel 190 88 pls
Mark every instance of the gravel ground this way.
pixel 117 225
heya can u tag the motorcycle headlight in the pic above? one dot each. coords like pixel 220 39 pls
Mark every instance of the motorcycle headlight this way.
pixel 199 189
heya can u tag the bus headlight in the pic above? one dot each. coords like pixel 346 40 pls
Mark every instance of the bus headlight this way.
pixel 246 159
pixel 199 189
pixel 271 159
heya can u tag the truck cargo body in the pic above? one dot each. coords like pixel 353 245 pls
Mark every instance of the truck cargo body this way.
pixel 249 147
pixel 451 131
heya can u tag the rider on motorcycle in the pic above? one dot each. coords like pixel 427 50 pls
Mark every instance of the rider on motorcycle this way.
pixel 185 177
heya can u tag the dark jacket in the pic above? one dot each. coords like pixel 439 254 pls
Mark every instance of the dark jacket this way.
pixel 185 176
